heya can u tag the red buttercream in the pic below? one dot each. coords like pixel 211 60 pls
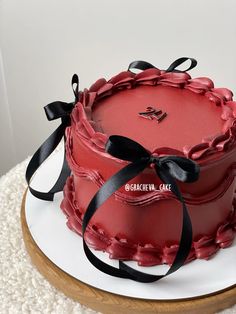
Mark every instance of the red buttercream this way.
pixel 200 124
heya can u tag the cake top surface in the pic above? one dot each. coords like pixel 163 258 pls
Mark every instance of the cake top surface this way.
pixel 189 117
pixel 166 112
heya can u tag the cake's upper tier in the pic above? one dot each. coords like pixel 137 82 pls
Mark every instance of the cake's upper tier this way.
pixel 165 112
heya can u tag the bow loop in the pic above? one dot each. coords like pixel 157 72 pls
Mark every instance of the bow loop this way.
pixel 178 62
pixel 58 109
pixel 126 149
pixel 180 168
pixel 140 65
pixel 75 81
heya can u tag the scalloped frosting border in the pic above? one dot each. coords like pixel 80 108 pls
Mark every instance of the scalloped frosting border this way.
pixel 147 255
pixel 90 133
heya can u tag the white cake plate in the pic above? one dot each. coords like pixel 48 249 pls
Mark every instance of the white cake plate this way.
pixel 47 225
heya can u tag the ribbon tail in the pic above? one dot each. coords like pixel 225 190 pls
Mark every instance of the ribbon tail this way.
pixel 112 185
pixel 43 152
pixel 185 241
pixel 109 187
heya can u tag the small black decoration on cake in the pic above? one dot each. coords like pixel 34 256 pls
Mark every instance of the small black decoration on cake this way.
pixel 153 113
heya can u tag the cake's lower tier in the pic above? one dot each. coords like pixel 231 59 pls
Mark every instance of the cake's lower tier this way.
pixel 150 234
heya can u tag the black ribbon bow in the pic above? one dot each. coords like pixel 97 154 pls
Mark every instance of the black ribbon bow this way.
pixel 54 110
pixel 143 65
pixel 168 168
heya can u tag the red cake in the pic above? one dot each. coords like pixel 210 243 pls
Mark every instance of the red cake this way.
pixel 168 113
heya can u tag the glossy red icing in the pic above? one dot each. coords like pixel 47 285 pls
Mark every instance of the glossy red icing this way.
pixel 200 124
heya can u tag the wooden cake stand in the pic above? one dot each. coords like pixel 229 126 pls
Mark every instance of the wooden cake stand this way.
pixel 106 302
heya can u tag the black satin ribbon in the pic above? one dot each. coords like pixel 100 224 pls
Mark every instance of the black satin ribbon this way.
pixel 168 169
pixel 143 65
pixel 55 110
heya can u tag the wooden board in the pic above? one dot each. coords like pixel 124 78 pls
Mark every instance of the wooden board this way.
pixel 109 303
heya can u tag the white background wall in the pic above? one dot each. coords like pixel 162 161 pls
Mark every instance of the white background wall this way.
pixel 44 42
